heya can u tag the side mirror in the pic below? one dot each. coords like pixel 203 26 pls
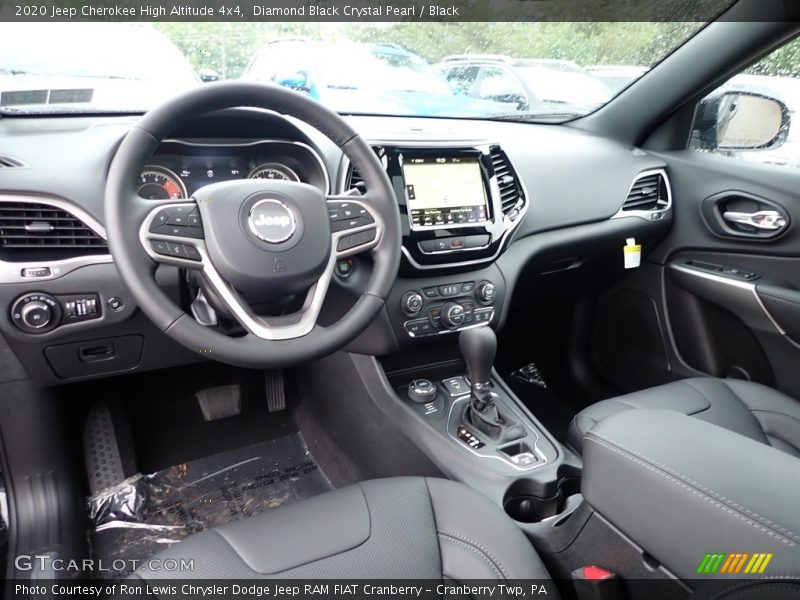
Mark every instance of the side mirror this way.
pixel 209 75
pixel 297 81
pixel 742 120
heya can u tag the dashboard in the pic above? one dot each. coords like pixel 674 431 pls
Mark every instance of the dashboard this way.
pixel 490 211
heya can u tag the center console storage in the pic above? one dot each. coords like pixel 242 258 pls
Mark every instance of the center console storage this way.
pixel 680 487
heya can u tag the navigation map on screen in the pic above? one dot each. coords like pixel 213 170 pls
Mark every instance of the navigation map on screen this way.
pixel 444 191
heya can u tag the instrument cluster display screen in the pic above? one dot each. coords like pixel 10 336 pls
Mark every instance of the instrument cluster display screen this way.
pixel 445 192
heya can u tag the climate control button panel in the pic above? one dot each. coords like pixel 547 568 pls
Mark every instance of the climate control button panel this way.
pixel 448 307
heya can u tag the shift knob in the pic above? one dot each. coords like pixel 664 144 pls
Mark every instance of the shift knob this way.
pixel 478 347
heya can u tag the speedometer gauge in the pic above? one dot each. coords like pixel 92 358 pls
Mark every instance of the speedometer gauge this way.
pixel 158 183
pixel 273 171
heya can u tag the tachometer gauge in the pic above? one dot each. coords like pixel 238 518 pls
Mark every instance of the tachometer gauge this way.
pixel 273 171
pixel 158 183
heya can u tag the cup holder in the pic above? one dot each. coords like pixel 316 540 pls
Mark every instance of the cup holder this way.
pixel 521 504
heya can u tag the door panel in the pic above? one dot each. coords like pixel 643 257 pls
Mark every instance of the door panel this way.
pixel 726 294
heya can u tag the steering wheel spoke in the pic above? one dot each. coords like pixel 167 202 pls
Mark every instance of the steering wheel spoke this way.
pixel 273 328
pixel 355 226
pixel 172 233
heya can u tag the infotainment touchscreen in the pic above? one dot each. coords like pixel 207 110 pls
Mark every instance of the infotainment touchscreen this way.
pixel 444 191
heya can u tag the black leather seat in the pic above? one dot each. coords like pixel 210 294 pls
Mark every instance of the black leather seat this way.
pixel 750 409
pixel 401 528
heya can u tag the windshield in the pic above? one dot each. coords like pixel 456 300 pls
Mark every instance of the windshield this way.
pixel 483 70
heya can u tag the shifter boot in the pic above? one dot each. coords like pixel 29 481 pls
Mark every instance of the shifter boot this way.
pixel 498 425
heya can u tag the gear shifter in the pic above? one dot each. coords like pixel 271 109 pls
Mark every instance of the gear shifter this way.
pixel 478 347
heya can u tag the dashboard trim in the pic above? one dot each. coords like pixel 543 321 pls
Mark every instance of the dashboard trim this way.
pixel 11 271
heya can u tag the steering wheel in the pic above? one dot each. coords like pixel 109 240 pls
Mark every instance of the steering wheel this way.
pixel 252 241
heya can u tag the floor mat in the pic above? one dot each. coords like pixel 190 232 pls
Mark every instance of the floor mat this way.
pixel 146 513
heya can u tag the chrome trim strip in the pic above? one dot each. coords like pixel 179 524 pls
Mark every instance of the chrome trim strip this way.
pixel 303 145
pixel 11 271
pixel 306 317
pixel 444 331
pixel 742 285
pixel 647 214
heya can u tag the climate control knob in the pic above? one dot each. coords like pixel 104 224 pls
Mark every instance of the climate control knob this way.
pixel 453 315
pixel 411 303
pixel 485 292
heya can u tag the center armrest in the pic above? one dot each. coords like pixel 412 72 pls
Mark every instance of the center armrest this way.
pixel 680 488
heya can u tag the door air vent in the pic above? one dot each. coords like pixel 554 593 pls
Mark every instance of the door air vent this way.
pixel 649 192
pixel 512 197
pixel 37 231
pixel 7 162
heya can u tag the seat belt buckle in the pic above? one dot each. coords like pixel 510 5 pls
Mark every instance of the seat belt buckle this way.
pixel 596 583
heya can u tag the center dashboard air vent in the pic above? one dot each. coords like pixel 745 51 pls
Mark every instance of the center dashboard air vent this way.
pixel 649 192
pixel 39 231
pixel 512 197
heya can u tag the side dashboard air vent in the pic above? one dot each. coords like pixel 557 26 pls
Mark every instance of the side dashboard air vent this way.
pixel 511 195
pixel 32 230
pixel 354 178
pixel 649 192
pixel 7 162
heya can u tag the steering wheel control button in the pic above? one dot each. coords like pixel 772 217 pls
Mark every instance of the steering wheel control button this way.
pixel 115 304
pixel 421 391
pixel 272 221
pixel 159 247
pixel 411 303
pixel 36 313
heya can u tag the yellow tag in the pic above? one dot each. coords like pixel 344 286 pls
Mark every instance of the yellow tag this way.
pixel 632 253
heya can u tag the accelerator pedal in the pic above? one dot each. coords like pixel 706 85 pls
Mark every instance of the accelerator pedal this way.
pixel 276 393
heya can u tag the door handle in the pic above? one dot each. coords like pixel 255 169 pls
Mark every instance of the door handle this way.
pixel 764 220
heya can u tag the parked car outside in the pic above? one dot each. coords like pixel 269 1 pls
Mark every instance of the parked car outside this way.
pixel 525 83
pixel 617 77
pixel 95 67
pixel 375 77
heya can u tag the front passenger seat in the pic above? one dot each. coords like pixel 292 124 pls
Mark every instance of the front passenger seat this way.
pixel 750 409
pixel 401 528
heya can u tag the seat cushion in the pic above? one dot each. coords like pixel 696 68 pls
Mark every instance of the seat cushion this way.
pixel 400 528
pixel 750 409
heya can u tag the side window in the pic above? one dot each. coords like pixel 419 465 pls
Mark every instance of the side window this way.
pixel 753 117
pixel 462 78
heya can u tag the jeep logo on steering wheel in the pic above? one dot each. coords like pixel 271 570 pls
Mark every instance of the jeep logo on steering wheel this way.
pixel 271 221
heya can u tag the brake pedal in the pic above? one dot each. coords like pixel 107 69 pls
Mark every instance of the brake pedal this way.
pixel 220 402
pixel 276 393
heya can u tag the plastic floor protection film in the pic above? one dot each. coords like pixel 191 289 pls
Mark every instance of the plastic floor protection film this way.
pixel 146 513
